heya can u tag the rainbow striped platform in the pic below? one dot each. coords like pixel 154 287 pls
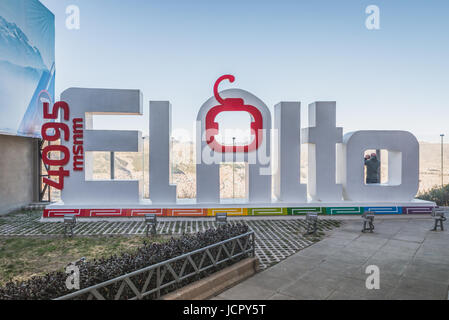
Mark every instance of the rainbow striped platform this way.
pixel 188 208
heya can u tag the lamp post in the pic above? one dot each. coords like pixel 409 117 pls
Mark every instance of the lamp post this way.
pixel 442 136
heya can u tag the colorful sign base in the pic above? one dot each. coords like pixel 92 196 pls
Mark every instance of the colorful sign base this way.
pixel 413 207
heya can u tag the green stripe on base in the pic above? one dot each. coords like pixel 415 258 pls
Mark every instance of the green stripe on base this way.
pixel 304 211
pixel 344 210
pixel 267 211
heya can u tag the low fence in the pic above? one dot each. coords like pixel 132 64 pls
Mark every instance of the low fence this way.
pixel 173 272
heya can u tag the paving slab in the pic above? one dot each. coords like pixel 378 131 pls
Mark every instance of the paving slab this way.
pixel 392 265
pixel 246 291
pixel 422 287
pixel 310 289
pixel 436 272
pixel 288 271
pixel 413 263
pixel 280 296
pixel 357 289
pixel 269 282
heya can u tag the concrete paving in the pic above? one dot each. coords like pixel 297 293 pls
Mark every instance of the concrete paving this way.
pixel 413 263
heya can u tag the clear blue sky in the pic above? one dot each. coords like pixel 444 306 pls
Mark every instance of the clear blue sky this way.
pixel 393 78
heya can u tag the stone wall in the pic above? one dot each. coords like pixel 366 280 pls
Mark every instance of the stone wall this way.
pixel 18 172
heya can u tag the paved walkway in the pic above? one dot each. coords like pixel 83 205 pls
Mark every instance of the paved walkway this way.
pixel 413 264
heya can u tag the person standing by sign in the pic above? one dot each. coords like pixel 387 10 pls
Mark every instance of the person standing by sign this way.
pixel 372 168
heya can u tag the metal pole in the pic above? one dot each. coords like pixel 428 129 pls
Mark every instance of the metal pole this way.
pixel 112 165
pixel 172 159
pixel 253 235
pixel 380 165
pixel 143 165
pixel 233 168
pixel 442 182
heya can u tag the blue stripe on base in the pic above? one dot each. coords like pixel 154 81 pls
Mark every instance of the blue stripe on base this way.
pixel 384 210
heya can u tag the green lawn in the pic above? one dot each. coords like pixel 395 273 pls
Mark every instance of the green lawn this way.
pixel 24 257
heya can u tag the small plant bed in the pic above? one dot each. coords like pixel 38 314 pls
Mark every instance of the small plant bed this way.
pixel 133 257
pixel 24 257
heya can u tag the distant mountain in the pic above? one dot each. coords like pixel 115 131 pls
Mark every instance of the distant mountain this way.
pixel 16 48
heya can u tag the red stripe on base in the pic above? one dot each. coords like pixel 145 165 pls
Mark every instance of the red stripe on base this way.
pixel 59 213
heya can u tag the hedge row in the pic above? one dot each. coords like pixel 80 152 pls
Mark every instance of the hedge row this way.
pixel 53 284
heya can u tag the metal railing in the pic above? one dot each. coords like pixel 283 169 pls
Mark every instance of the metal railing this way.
pixel 226 250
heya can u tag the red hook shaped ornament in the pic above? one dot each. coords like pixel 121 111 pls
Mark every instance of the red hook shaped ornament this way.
pixel 232 104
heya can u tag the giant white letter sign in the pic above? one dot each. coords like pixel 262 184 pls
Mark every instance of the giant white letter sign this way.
pixel 161 191
pixel 84 103
pixel 403 165
pixel 210 153
pixel 287 122
pixel 322 135
pixel 336 164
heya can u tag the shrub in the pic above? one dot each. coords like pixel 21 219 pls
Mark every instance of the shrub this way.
pixel 52 284
pixel 439 195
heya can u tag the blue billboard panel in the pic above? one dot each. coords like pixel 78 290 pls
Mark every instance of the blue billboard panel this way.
pixel 27 65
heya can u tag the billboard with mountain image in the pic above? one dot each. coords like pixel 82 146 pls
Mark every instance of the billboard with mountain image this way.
pixel 27 65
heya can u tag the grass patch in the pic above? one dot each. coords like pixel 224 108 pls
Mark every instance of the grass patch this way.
pixel 24 257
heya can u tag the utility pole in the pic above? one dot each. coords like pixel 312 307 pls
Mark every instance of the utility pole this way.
pixel 442 136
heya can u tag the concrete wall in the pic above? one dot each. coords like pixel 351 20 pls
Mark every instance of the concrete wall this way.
pixel 18 172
